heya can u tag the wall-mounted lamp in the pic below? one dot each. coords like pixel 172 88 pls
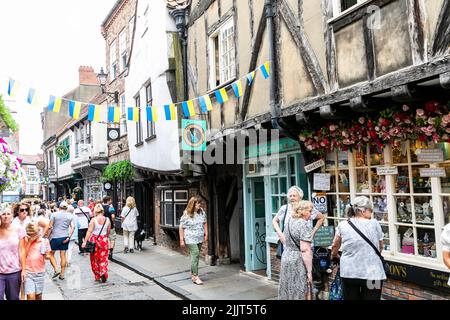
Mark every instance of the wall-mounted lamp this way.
pixel 103 78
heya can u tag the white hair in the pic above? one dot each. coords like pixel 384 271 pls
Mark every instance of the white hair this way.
pixel 296 189
pixel 70 209
pixel 360 204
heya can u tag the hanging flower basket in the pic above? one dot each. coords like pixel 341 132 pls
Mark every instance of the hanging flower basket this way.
pixel 11 172
pixel 389 127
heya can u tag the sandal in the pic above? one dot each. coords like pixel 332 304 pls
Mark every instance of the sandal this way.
pixel 56 274
pixel 198 281
pixel 61 277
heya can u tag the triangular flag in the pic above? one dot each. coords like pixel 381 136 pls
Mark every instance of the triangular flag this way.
pixel 251 77
pixel 152 114
pixel 206 104
pixel 237 88
pixel 222 96
pixel 265 68
pixel 74 109
pixel 188 108
pixel 171 112
pixel 113 114
pixel 94 113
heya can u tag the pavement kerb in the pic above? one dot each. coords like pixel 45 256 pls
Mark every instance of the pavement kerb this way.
pixel 176 290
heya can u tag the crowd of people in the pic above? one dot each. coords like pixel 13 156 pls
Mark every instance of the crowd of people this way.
pixel 33 232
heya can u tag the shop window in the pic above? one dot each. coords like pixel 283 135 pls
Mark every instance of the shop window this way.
pixel 173 204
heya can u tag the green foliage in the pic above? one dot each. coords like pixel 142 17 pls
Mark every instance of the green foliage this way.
pixel 119 171
pixel 5 114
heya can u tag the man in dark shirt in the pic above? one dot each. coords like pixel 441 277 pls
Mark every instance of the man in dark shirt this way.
pixel 110 213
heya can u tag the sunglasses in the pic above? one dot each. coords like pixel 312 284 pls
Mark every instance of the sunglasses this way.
pixel 23 210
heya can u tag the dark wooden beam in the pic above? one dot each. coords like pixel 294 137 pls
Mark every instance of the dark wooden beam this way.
pixel 199 11
pixel 253 61
pixel 327 10
pixel 368 46
pixel 412 74
pixel 417 33
pixel 441 40
pixel 296 28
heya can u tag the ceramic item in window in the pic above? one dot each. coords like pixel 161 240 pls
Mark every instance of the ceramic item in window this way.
pixel 408 242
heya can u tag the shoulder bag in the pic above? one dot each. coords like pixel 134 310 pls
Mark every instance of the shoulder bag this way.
pixel 87 217
pixel 280 247
pixel 90 246
pixel 309 291
pixel 385 265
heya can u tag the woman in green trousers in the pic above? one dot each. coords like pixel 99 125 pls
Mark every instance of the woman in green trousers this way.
pixel 193 232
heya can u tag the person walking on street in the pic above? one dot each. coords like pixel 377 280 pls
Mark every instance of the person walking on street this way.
pixel 295 195
pixel 193 232
pixel 37 251
pixel 296 260
pixel 22 215
pixel 361 268
pixel 98 232
pixel 12 257
pixel 91 204
pixel 84 216
pixel 445 240
pixel 61 225
pixel 74 238
pixel 129 224
pixel 110 214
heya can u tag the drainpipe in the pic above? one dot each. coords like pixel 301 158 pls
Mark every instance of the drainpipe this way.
pixel 212 208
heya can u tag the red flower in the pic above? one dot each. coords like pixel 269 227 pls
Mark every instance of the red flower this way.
pixel 372 134
pixel 432 106
pixel 384 122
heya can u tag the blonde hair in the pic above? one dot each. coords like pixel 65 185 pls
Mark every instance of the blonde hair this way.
pixel 131 203
pixel 190 209
pixel 300 208
pixel 99 208
pixel 32 229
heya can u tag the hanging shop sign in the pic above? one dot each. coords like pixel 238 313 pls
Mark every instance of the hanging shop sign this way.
pixel 430 155
pixel 194 135
pixel 433 173
pixel 40 165
pixel 425 277
pixel 387 171
pixel 62 151
pixel 322 181
pixel 315 165
pixel 113 134
pixel 324 237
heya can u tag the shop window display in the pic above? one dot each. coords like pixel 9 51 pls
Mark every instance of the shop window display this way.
pixel 426 243
pixel 420 184
pixel 423 208
pixel 406 240
pixel 404 209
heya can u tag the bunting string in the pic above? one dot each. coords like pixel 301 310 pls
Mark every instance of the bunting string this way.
pixel 114 115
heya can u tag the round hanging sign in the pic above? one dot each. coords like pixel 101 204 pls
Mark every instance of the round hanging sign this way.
pixel 62 151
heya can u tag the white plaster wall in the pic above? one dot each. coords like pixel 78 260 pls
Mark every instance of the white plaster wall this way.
pixel 150 61
pixel 65 169
pixel 99 132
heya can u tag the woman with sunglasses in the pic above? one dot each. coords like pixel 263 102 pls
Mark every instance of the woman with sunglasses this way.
pixel 22 215
pixel 12 257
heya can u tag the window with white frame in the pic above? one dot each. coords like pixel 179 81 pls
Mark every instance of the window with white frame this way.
pixel 31 171
pixel 113 61
pixel 123 117
pixel 131 29
pixel 139 135
pixel 151 130
pixel 123 49
pixel 87 127
pixel 173 204
pixel 412 210
pixel 31 188
pixel 51 159
pixel 222 55
pixel 340 6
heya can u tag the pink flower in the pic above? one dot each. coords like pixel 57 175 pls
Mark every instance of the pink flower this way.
pixel 333 128
pixel 405 108
pixel 436 138
pixel 395 132
pixel 428 130
pixel 344 134
pixel 362 120
pixel 377 128
pixel 408 121
pixel 432 121
pixel 310 148
pixel 420 112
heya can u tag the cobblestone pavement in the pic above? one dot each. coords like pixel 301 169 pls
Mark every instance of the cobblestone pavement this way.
pixel 79 284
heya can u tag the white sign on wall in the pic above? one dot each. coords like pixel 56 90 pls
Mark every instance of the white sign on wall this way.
pixel 322 181
pixel 320 202
pixel 315 165
pixel 433 173
pixel 430 155
pixel 387 171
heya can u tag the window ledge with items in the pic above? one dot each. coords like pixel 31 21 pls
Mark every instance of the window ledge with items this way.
pixel 400 159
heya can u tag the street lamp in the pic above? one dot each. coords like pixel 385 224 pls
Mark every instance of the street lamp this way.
pixel 102 78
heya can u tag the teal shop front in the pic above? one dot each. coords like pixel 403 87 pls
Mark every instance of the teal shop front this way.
pixel 270 169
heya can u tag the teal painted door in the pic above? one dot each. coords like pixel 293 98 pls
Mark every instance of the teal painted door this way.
pixel 258 225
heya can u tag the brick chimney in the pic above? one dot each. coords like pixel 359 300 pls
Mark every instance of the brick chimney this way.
pixel 88 76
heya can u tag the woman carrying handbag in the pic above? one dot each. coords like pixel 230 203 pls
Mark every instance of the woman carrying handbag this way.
pixel 98 233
